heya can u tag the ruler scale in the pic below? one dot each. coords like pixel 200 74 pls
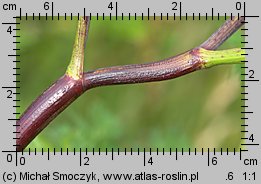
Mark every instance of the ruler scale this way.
pixel 129 164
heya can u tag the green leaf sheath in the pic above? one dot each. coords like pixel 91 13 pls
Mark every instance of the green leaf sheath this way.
pixel 75 67
pixel 220 57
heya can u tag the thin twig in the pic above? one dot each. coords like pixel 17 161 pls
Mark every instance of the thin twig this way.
pixel 75 67
pixel 223 33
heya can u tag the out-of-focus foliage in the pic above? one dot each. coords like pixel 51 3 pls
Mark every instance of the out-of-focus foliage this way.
pixel 201 109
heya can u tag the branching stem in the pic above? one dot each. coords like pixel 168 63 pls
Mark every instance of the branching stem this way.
pixel 70 86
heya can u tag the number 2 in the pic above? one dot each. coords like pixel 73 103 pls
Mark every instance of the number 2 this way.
pixel 10 93
pixel 251 74
pixel 86 162
pixel 175 4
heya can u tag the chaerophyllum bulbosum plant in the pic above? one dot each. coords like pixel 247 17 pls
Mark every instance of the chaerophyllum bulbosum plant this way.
pixel 75 81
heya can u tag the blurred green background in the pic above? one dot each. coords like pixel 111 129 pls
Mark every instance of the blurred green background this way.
pixel 201 109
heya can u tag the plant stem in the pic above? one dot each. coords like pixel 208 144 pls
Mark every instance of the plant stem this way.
pixel 45 108
pixel 58 96
pixel 221 57
pixel 75 67
pixel 166 69
pixel 70 86
pixel 223 33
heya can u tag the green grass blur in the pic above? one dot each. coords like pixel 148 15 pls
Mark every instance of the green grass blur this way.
pixel 201 109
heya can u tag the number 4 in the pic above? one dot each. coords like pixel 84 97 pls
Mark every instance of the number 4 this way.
pixel 9 30
pixel 150 161
pixel 251 138
pixel 110 6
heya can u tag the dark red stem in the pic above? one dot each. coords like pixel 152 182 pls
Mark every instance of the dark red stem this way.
pixel 139 73
pixel 65 90
pixel 45 108
pixel 223 33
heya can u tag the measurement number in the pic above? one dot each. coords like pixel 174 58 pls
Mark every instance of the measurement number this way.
pixel 175 4
pixel 19 160
pixel 86 160
pixel 249 176
pixel 10 92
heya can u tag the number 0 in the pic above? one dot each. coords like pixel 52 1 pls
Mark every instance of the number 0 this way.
pixel 22 160
pixel 9 157
pixel 238 5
